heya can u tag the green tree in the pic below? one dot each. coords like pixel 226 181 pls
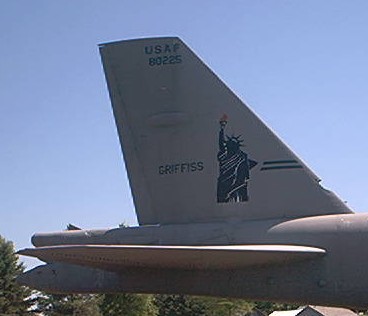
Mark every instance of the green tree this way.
pixel 76 304
pixel 227 306
pixel 171 305
pixel 183 305
pixel 14 298
pixel 269 307
pixel 128 305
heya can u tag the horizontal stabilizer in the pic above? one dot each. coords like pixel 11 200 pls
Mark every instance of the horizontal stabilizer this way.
pixel 117 257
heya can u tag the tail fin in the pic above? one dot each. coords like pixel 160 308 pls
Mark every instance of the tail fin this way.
pixel 194 152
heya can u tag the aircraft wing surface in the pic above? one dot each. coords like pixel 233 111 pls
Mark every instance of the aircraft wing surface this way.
pixel 117 257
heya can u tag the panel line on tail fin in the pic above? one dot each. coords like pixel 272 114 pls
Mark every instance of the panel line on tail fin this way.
pixel 281 167
pixel 279 162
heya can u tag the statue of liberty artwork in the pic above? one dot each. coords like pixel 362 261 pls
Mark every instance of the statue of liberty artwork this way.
pixel 234 167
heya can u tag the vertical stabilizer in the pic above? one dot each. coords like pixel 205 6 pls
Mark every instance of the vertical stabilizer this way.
pixel 194 152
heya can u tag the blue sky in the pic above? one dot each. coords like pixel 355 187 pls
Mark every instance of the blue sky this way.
pixel 300 65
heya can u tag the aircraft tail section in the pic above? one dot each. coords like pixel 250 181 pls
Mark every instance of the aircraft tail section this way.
pixel 193 151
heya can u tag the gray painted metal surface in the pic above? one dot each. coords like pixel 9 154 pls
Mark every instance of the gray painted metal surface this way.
pixel 225 208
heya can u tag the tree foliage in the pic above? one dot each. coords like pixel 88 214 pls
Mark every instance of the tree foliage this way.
pixel 170 305
pixel 183 305
pixel 269 307
pixel 13 297
pixel 227 306
pixel 140 305
pixel 76 304
pixel 128 305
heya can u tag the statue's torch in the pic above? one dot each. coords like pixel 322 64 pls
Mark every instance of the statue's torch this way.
pixel 223 121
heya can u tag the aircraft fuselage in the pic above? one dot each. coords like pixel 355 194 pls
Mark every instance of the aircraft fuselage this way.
pixel 337 276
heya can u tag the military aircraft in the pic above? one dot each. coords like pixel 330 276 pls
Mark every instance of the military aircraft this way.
pixel 224 207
